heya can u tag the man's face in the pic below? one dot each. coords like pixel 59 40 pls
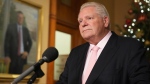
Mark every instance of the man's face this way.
pixel 91 25
pixel 20 19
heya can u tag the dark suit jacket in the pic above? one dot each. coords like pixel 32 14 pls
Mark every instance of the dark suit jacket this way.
pixel 11 41
pixel 122 61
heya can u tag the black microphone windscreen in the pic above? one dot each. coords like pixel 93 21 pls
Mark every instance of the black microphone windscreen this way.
pixel 50 54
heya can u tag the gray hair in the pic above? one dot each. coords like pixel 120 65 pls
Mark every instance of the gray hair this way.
pixel 100 9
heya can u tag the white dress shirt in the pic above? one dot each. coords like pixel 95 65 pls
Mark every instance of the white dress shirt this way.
pixel 21 38
pixel 101 45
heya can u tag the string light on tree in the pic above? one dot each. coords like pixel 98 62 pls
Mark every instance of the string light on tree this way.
pixel 137 24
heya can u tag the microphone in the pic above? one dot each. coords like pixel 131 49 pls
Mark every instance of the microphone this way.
pixel 50 54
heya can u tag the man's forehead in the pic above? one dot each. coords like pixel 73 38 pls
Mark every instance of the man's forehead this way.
pixel 87 14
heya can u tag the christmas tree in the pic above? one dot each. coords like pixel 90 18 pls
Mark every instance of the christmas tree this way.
pixel 137 24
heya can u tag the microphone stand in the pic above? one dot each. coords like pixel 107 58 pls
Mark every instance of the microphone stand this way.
pixel 36 68
pixel 38 74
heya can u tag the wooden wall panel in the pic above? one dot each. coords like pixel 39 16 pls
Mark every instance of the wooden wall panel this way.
pixel 67 14
pixel 52 28
pixel 63 17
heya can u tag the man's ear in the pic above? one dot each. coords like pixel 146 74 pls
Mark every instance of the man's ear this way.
pixel 106 21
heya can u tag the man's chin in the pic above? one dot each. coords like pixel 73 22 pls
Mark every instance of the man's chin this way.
pixel 87 38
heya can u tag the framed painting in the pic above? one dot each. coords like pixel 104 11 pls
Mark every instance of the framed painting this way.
pixel 28 16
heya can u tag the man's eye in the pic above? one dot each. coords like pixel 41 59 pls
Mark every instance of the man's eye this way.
pixel 80 21
pixel 90 18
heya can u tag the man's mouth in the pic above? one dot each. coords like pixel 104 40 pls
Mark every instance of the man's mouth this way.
pixel 86 30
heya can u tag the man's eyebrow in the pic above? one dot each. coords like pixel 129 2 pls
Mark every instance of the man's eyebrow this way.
pixel 79 19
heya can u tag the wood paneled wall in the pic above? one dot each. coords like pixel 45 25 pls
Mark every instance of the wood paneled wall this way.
pixel 67 13
pixel 63 17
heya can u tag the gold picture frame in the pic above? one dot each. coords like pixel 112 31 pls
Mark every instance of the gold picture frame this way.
pixel 33 17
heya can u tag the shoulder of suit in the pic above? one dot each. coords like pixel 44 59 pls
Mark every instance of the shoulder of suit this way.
pixel 129 40
pixel 25 28
pixel 84 45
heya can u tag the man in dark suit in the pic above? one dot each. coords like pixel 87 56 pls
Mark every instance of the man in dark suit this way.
pixel 17 45
pixel 119 60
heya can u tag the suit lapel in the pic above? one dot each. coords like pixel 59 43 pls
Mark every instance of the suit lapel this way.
pixel 82 60
pixel 16 31
pixel 79 57
pixel 106 55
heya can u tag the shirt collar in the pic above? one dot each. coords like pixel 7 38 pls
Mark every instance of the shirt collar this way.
pixel 19 26
pixel 101 44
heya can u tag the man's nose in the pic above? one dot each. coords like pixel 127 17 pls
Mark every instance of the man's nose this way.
pixel 84 23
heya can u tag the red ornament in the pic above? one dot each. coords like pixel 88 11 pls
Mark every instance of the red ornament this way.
pixel 142 17
pixel 130 11
pixel 128 22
